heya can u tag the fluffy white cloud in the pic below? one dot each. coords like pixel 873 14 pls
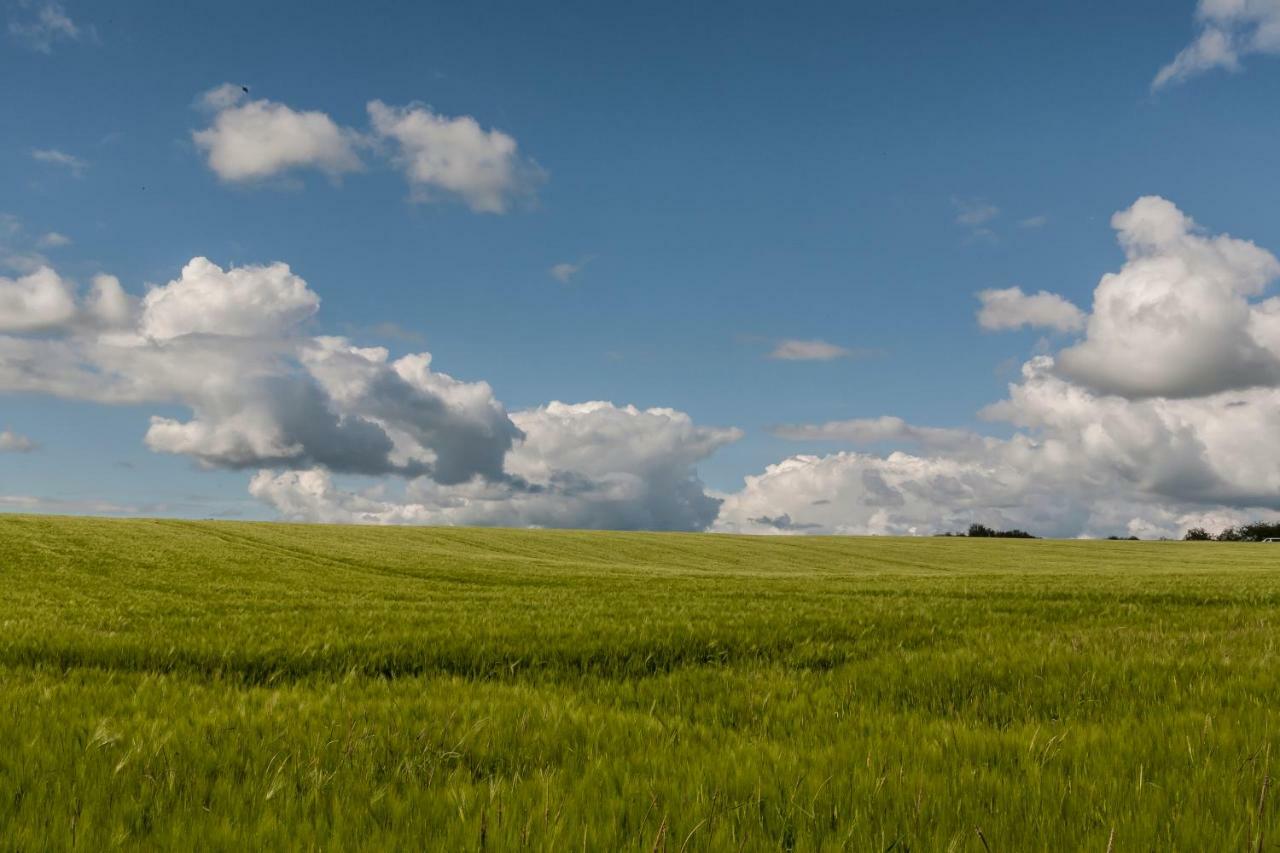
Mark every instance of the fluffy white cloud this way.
pixel 860 494
pixel 40 300
pixel 794 350
pixel 455 156
pixel 1162 418
pixel 590 465
pixel 230 345
pixel 107 305
pixel 1176 320
pixel 1228 31
pixel 251 301
pixel 12 442
pixel 253 140
pixel 1012 309
pixel 1123 432
pixel 1080 464
pixel 441 156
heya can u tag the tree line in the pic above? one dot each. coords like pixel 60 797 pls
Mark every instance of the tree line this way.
pixel 982 531
pixel 1255 532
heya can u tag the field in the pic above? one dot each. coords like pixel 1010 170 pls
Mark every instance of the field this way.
pixel 197 685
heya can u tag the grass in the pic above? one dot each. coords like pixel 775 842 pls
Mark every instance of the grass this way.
pixel 205 685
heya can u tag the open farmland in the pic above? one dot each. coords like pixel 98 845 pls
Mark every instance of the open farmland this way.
pixel 231 685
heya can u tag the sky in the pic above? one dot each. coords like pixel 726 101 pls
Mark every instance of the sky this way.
pixel 791 268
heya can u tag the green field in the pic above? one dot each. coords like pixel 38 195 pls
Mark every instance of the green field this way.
pixel 195 685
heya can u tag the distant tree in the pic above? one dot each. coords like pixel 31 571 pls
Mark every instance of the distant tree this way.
pixel 1123 538
pixel 1197 534
pixel 981 530
pixel 1259 530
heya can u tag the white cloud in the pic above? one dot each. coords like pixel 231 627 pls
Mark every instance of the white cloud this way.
pixel 1229 30
pixel 40 300
pixel 53 240
pixel 566 271
pixel 43 24
pixel 441 156
pixel 107 306
pixel 1012 309
pixel 589 465
pixel 860 494
pixel 1034 222
pixel 12 442
pixel 1123 432
pixel 250 301
pixel 1176 320
pixel 55 157
pixel 254 140
pixel 455 156
pixel 1127 432
pixel 813 350
pixel 230 345
pixel 221 97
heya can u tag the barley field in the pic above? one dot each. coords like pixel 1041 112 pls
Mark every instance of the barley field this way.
pixel 211 685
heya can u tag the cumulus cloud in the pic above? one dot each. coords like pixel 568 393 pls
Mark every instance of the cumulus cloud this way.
pixel 1124 431
pixel 54 157
pixel 455 157
pixel 861 494
pixel 250 301
pixel 441 156
pixel 40 300
pixel 812 350
pixel 232 346
pixel 1161 418
pixel 1228 30
pixel 589 465
pixel 253 140
pixel 1176 320
pixel 12 442
pixel 1012 309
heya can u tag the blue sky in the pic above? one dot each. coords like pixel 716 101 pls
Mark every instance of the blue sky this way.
pixel 725 178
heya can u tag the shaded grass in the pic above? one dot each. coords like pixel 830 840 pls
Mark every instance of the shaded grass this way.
pixel 224 685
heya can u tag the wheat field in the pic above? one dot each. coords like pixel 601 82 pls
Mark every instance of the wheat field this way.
pixel 216 685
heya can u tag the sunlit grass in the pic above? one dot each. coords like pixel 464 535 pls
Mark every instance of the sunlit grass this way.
pixel 184 685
